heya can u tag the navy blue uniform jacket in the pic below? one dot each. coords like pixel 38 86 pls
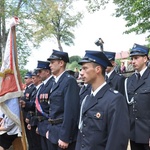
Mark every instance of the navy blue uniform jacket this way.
pixel 28 95
pixel 105 122
pixel 65 104
pixel 140 109
pixel 85 91
pixel 116 82
pixel 43 98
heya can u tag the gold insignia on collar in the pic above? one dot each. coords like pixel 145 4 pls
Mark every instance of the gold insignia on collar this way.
pixel 98 115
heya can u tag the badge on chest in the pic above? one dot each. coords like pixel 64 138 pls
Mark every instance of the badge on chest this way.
pixel 44 97
pixel 98 115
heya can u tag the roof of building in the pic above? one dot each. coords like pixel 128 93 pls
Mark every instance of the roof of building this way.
pixel 122 55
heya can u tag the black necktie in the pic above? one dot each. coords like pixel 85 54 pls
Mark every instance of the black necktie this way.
pixel 106 78
pixel 138 76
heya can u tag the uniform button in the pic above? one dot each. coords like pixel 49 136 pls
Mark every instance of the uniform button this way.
pixel 84 125
pixel 135 93
pixel 83 135
pixel 85 115
pixel 136 118
pixel 82 145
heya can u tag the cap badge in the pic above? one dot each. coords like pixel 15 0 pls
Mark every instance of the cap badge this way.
pixel 134 46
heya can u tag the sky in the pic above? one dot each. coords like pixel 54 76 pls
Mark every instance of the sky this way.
pixel 100 24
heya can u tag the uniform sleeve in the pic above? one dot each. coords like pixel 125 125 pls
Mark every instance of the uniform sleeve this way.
pixel 71 111
pixel 118 124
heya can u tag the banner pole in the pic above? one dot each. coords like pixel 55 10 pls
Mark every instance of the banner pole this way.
pixel 23 138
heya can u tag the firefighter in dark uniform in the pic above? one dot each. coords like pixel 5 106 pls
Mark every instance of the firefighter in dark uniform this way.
pixel 104 120
pixel 30 88
pixel 30 105
pixel 138 98
pixel 42 101
pixel 32 125
pixel 64 104
pixel 116 81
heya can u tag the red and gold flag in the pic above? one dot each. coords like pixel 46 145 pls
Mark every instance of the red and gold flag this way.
pixel 10 83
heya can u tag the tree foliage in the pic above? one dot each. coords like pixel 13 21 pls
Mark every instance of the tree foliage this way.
pixel 135 12
pixel 39 20
pixel 24 33
pixel 56 20
pixel 74 58
pixel 73 65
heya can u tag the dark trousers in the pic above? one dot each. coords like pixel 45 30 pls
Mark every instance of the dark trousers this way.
pixel 36 144
pixel 32 138
pixel 28 134
pixel 45 143
pixel 56 147
pixel 139 146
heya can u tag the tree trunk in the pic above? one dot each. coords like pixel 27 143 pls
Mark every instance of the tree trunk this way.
pixel 59 45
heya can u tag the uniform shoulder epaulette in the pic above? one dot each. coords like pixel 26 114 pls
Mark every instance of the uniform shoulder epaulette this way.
pixel 114 91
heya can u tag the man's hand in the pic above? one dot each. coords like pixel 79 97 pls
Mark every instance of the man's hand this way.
pixel 149 142
pixel 27 120
pixel 29 127
pixel 37 132
pixel 62 144
pixel 22 103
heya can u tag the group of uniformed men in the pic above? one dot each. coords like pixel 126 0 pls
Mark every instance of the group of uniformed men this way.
pixel 104 114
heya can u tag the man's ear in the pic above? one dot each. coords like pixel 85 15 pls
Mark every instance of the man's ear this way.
pixel 146 59
pixel 98 69
pixel 61 62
